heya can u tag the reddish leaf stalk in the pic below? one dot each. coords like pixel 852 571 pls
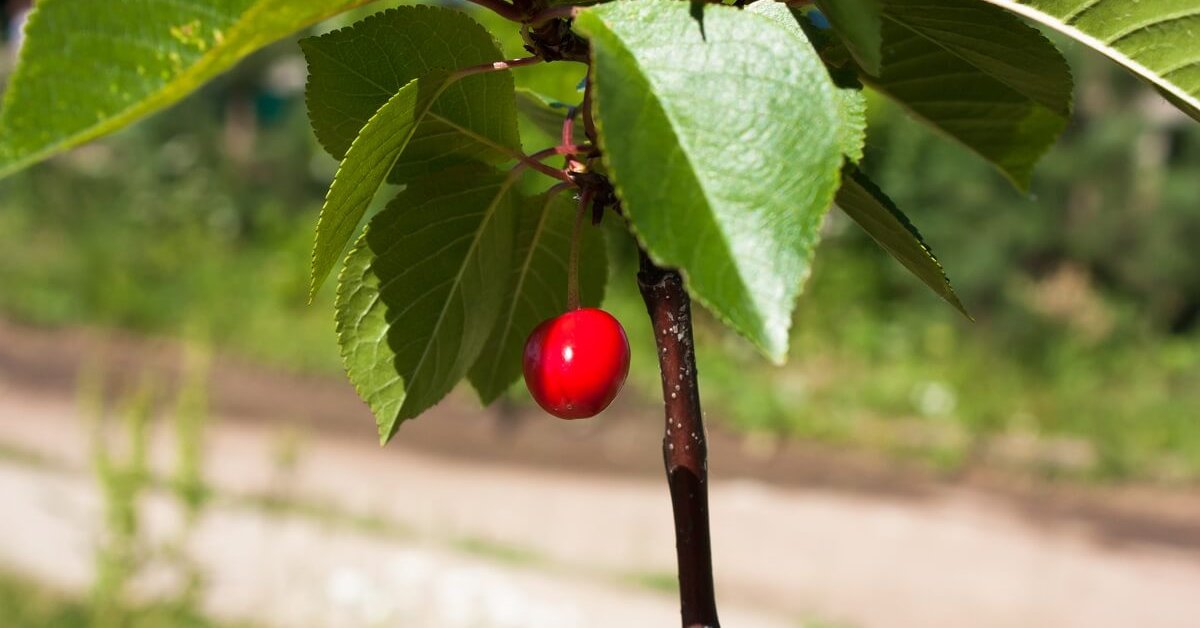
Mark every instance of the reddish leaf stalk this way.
pixel 535 161
pixel 685 449
pixel 495 66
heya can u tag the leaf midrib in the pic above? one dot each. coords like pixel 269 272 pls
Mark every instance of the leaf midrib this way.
pixel 525 266
pixel 699 184
pixel 956 55
pixel 419 113
pixel 1063 26
pixel 387 92
pixel 490 214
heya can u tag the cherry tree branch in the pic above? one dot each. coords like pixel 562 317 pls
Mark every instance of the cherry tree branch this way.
pixel 685 447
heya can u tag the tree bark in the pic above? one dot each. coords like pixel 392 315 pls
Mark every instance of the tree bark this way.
pixel 685 449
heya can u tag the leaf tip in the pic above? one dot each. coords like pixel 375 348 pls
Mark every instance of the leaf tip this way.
pixel 953 300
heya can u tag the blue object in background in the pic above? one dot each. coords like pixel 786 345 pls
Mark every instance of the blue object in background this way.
pixel 818 19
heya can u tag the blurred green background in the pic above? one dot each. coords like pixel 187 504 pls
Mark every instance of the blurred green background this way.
pixel 1083 362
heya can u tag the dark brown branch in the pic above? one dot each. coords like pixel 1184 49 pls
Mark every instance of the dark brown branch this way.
pixel 685 449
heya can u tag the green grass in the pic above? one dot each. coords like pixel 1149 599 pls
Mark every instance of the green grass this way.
pixel 498 552
pixel 660 581
pixel 25 604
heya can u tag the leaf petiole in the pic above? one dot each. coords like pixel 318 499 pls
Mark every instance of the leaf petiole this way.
pixel 494 66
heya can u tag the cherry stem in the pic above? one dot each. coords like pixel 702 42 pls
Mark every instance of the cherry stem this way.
pixel 535 161
pixel 585 199
pixel 501 8
pixel 685 446
pixel 589 123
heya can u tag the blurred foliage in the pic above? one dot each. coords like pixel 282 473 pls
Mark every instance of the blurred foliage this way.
pixel 119 455
pixel 1084 359
pixel 24 604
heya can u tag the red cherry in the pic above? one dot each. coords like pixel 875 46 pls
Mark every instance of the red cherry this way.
pixel 576 363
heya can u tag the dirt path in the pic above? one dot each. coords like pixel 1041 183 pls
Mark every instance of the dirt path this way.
pixel 291 571
pixel 585 510
pixel 952 559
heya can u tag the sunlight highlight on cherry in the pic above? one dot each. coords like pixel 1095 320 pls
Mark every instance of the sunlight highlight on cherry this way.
pixel 576 363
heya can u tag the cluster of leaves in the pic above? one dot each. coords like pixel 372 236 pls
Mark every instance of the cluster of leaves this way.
pixel 725 132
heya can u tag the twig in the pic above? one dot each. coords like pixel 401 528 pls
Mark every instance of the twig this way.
pixel 685 448
pixel 529 161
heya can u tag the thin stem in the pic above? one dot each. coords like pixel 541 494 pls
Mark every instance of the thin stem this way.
pixel 501 8
pixel 535 161
pixel 568 127
pixel 685 448
pixel 494 66
pixel 585 199
pixel 589 123
pixel 580 149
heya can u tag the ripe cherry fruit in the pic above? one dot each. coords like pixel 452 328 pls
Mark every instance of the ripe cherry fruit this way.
pixel 576 363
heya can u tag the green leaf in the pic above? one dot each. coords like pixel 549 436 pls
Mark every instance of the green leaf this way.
pixel 90 68
pixel 852 111
pixel 1155 39
pixel 537 288
pixel 366 166
pixel 863 201
pixel 720 132
pixel 851 103
pixel 355 70
pixel 979 75
pixel 422 288
pixel 860 24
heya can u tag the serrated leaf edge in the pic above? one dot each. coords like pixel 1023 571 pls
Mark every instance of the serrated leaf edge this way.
pixel 318 274
pixel 377 16
pixel 851 173
pixel 777 356
pixel 393 424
